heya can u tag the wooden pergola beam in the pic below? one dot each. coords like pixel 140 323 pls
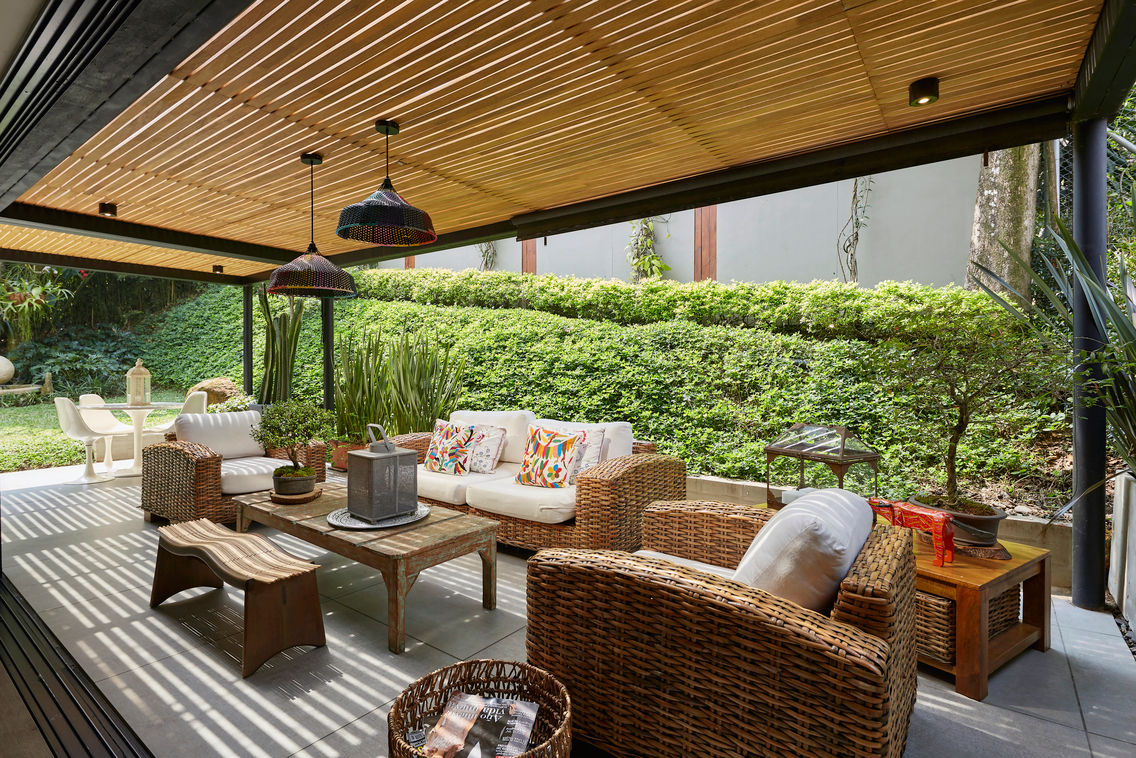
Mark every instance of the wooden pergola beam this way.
pixel 1108 70
pixel 117 267
pixel 69 222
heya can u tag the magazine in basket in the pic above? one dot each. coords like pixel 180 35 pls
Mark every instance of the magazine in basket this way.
pixel 472 726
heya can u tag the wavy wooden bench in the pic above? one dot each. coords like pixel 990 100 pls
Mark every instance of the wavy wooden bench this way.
pixel 282 607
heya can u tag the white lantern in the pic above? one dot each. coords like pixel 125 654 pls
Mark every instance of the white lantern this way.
pixel 138 385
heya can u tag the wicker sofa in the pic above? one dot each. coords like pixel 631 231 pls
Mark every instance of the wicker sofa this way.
pixel 606 504
pixel 662 659
pixel 183 479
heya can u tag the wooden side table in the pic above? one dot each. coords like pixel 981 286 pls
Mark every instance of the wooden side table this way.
pixel 971 583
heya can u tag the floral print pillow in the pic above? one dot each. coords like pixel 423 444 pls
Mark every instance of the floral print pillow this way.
pixel 485 447
pixel 549 458
pixel 449 448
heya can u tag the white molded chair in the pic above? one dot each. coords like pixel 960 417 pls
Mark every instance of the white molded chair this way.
pixel 105 423
pixel 76 428
pixel 195 402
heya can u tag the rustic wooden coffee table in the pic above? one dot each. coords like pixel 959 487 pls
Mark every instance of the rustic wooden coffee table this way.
pixel 399 553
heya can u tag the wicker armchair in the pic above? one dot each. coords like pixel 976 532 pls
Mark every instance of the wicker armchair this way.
pixel 610 498
pixel 181 481
pixel 660 659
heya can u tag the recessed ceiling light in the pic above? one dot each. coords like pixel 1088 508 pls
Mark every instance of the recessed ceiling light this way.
pixel 218 268
pixel 923 91
pixel 108 209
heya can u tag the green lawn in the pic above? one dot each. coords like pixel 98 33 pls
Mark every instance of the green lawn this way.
pixel 30 436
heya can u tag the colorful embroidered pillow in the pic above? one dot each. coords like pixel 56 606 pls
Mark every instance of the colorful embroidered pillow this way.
pixel 591 435
pixel 485 447
pixel 449 448
pixel 549 458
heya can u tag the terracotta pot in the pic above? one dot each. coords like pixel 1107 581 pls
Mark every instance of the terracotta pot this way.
pixel 293 485
pixel 985 528
pixel 339 451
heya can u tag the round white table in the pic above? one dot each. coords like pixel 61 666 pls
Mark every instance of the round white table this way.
pixel 138 414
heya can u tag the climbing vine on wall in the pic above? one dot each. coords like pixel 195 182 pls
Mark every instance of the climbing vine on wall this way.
pixel 646 263
pixel 849 237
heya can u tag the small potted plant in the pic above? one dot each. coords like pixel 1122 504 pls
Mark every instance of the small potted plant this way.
pixel 290 426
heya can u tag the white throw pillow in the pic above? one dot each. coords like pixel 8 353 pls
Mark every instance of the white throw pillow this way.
pixel 485 448
pixel 227 434
pixel 807 548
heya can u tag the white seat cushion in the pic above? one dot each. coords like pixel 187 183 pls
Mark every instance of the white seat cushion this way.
pixel 548 505
pixel 806 549
pixel 227 434
pixel 710 568
pixel 450 488
pixel 515 423
pixel 240 475
pixel 617 434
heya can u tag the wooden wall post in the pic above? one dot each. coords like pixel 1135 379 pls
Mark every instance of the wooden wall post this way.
pixel 408 262
pixel 706 243
pixel 528 256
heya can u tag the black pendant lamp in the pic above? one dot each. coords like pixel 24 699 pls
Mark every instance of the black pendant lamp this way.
pixel 385 218
pixel 311 275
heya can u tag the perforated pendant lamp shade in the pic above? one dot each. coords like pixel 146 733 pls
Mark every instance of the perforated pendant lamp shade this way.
pixel 311 275
pixel 385 218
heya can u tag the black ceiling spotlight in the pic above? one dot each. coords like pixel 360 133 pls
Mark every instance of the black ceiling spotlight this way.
pixel 923 91
pixel 218 268
pixel 108 209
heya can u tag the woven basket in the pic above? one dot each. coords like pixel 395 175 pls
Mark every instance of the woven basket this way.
pixel 935 622
pixel 427 697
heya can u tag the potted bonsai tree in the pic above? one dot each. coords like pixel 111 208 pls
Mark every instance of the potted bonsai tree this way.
pixel 962 375
pixel 290 426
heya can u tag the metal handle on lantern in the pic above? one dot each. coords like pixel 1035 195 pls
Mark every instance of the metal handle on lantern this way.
pixel 377 446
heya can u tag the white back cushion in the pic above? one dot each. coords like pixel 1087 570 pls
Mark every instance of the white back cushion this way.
pixel 228 434
pixel 617 434
pixel 806 549
pixel 516 424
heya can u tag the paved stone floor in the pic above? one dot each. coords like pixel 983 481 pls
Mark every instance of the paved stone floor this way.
pixel 83 557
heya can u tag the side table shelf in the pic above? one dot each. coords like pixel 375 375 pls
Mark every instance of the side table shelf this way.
pixel 982 594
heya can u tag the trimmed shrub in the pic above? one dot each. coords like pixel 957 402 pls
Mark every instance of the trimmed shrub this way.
pixel 825 310
pixel 713 395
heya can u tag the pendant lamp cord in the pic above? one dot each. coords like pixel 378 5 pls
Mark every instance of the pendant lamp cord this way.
pixel 388 140
pixel 312 198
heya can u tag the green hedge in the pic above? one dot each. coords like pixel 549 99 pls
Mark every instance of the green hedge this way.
pixel 713 395
pixel 818 309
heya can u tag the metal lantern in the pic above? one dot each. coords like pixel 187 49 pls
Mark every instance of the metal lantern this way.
pixel 138 384
pixel 382 481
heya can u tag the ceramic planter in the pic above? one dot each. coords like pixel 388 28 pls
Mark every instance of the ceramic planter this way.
pixel 980 531
pixel 339 451
pixel 293 485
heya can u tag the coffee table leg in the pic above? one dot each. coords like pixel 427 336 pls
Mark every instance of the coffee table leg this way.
pixel 398 585
pixel 1035 603
pixel 489 575
pixel 972 645
pixel 242 522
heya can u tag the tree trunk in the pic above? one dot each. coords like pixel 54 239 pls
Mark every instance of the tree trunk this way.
pixel 957 431
pixel 1004 212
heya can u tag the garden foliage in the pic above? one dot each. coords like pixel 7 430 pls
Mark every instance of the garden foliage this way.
pixel 711 394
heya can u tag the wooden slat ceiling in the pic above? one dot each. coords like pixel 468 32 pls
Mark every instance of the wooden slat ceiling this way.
pixel 79 246
pixel 509 106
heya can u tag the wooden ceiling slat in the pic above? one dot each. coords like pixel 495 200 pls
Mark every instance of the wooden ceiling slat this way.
pixel 511 106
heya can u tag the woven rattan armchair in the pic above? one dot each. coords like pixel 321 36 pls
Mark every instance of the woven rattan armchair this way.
pixel 610 498
pixel 660 659
pixel 181 481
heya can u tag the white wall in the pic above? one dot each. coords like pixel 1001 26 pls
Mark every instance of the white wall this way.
pixel 919 225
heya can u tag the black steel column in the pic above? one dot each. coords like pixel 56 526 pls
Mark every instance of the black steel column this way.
pixel 246 336
pixel 1090 219
pixel 327 322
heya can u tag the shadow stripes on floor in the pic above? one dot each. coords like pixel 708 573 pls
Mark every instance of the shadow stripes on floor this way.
pixel 70 711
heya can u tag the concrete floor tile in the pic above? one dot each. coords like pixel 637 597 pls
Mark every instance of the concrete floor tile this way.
pixel 44 595
pixel 1104 747
pixel 365 737
pixel 1072 618
pixel 343 579
pixel 1104 672
pixel 945 723
pixel 1038 684
pixel 512 648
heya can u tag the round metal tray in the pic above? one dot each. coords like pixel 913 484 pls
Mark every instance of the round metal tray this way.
pixel 342 519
